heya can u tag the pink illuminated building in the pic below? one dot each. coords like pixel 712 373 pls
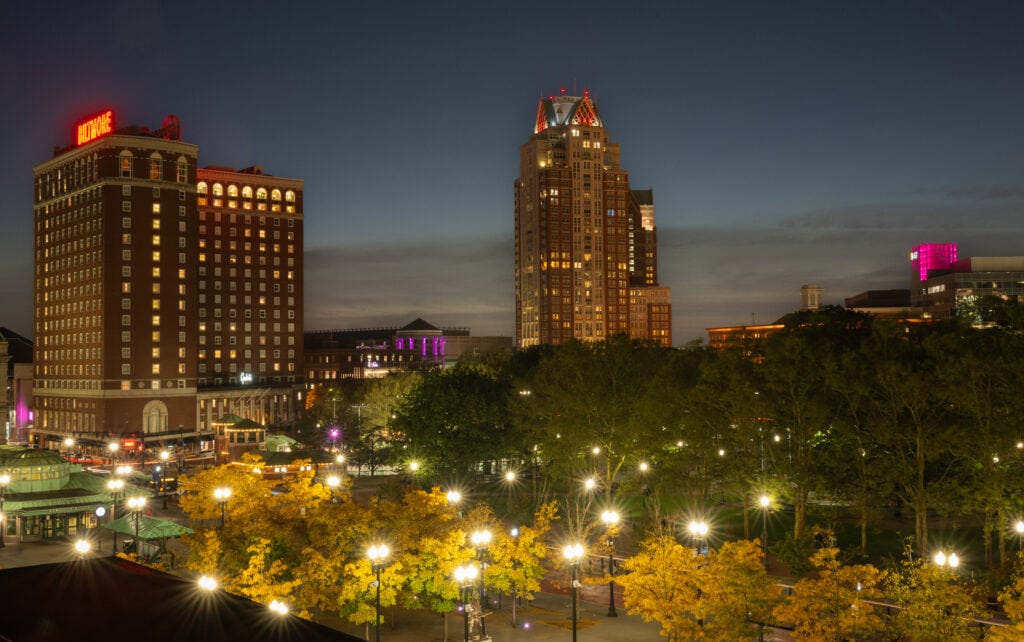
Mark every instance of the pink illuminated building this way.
pixel 931 256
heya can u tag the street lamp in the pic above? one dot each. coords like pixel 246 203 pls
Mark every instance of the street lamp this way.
pixel 221 494
pixel 590 484
pixel 207 583
pixel 951 560
pixel 378 555
pixel 454 498
pixel 465 575
pixel 766 503
pixel 112 448
pixel 334 483
pixel 115 486
pixel 698 531
pixel 515 565
pixel 164 457
pixel 573 553
pixel 82 547
pixel 611 520
pixel 136 504
pixel 1019 527
pixel 4 480
pixel 481 539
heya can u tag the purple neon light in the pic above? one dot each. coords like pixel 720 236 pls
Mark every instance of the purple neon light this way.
pixel 932 256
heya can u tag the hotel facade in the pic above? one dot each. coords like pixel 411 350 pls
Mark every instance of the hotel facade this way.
pixel 166 295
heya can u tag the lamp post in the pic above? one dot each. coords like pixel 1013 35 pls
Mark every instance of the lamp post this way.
pixel 573 553
pixel 765 501
pixel 4 480
pixel 221 494
pixel 454 498
pixel 136 504
pixel 333 482
pixel 942 560
pixel 1019 527
pixel 82 547
pixel 112 449
pixel 115 486
pixel 698 531
pixel 465 575
pixel 481 539
pixel 611 520
pixel 378 555
pixel 515 566
pixel 164 457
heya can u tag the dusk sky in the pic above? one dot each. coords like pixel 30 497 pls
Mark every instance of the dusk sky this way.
pixel 787 143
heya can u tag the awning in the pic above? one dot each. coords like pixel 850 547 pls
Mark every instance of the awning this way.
pixel 56 510
pixel 149 527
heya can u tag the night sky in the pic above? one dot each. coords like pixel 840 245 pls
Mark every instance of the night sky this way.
pixel 787 142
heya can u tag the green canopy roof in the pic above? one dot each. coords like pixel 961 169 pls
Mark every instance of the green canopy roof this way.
pixel 149 527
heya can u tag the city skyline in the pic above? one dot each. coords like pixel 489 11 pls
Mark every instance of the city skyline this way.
pixel 815 145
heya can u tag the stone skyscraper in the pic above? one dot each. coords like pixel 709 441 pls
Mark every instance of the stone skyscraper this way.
pixel 585 243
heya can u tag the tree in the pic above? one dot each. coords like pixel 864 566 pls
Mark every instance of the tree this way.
pixel 1012 600
pixel 830 607
pixel 376 414
pixel 796 394
pixel 934 604
pixel 588 403
pixel 661 584
pixel 741 596
pixel 457 420
pixel 518 558
pixel 914 433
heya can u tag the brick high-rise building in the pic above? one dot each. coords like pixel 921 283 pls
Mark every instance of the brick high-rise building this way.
pixel 585 243
pixel 155 310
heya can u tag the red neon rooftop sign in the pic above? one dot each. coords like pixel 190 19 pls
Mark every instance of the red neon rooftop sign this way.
pixel 92 128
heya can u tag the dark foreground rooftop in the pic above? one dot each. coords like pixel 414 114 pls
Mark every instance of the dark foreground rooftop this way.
pixel 112 599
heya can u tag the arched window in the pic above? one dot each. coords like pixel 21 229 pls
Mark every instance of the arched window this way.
pixel 218 194
pixel 289 199
pixel 182 176
pixel 261 199
pixel 126 164
pixel 232 196
pixel 154 417
pixel 275 198
pixel 156 166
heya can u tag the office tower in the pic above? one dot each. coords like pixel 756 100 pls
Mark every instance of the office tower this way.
pixel 584 241
pixel 142 324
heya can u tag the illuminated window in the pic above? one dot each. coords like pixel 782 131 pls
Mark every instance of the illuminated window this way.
pixel 156 239
pixel 155 167
pixel 156 256
pixel 261 198
pixel 126 164
pixel 156 208
pixel 201 190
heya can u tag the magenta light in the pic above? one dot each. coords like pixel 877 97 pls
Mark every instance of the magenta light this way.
pixel 931 256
